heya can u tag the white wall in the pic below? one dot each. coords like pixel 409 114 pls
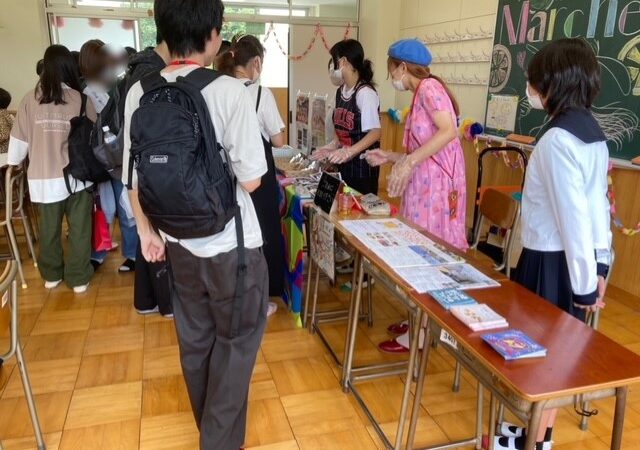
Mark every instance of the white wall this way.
pixel 379 28
pixel 23 40
pixel 311 73
pixel 421 18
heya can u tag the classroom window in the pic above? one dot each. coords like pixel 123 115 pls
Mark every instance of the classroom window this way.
pixel 72 32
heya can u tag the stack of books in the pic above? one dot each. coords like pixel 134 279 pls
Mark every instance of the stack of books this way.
pixel 479 317
pixel 514 344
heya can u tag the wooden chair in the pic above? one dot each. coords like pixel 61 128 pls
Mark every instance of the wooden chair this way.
pixel 502 210
pixel 9 317
pixel 15 188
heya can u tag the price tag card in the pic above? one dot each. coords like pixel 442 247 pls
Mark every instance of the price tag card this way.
pixel 448 339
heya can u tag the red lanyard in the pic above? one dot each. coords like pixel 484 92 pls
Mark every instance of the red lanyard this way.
pixel 182 62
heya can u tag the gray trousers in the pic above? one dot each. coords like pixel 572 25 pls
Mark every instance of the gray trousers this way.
pixel 217 369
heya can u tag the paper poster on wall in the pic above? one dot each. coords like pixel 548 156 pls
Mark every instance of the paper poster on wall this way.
pixel 318 125
pixel 302 120
pixel 322 244
pixel 501 113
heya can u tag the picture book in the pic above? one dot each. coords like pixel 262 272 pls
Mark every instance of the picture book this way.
pixel 374 205
pixel 449 298
pixel 479 317
pixel 514 344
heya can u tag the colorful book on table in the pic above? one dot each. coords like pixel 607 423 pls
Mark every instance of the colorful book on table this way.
pixel 479 317
pixel 449 298
pixel 514 344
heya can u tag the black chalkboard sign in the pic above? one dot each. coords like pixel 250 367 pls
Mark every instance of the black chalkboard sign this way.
pixel 327 190
pixel 611 27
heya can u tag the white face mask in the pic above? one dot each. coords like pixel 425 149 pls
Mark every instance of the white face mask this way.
pixel 336 77
pixel 534 100
pixel 398 84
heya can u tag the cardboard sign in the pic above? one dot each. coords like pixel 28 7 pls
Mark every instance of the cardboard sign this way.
pixel 327 191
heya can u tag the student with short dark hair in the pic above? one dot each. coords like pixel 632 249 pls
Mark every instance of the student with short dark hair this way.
pixel 565 212
pixel 6 120
pixel 41 131
pixel 216 363
pixel 356 117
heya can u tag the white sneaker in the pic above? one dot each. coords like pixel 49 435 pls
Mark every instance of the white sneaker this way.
pixel 144 312
pixel 52 284
pixel 341 255
pixel 81 289
pixel 510 430
pixel 272 308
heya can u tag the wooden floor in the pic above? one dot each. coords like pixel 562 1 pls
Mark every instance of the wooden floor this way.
pixel 107 378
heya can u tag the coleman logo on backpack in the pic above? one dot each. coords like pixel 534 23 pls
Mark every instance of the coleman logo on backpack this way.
pixel 159 159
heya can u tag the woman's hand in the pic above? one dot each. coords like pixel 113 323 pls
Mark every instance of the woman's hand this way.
pixel 320 154
pixel 378 157
pixel 340 156
pixel 599 304
pixel 400 176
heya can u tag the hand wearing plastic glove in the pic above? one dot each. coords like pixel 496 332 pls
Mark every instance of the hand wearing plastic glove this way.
pixel 340 156
pixel 378 157
pixel 400 176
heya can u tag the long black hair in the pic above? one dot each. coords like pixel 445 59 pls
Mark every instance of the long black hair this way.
pixel 354 53
pixel 58 67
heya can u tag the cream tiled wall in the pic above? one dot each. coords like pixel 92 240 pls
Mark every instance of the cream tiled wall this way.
pixel 428 18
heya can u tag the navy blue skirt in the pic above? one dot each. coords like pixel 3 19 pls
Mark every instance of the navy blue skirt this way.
pixel 547 274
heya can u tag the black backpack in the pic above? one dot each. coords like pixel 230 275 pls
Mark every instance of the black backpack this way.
pixel 110 154
pixel 83 165
pixel 185 186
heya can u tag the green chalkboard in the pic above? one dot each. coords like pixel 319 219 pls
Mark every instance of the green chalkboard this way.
pixel 612 27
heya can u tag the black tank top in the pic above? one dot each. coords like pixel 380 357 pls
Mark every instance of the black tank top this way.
pixel 348 125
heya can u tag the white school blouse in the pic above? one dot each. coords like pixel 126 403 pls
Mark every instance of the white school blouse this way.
pixel 565 205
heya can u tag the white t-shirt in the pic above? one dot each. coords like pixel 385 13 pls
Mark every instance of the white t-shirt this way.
pixel 236 126
pixel 268 114
pixel 368 102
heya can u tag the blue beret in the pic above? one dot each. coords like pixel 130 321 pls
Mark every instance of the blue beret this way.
pixel 411 51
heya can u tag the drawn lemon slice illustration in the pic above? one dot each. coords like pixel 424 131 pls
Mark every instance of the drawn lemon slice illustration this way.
pixel 500 68
pixel 630 57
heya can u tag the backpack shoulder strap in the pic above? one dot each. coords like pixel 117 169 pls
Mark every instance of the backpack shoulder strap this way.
pixel 151 81
pixel 202 77
pixel 259 95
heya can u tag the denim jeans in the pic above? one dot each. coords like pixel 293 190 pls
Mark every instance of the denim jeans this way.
pixel 127 229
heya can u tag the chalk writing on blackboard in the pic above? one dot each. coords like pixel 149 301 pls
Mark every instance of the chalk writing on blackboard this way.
pixel 611 27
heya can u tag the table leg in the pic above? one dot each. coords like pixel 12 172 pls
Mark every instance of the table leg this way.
pixel 314 308
pixel 492 421
pixel 534 425
pixel 618 418
pixel 422 371
pixel 479 414
pixel 307 295
pixel 413 352
pixel 352 327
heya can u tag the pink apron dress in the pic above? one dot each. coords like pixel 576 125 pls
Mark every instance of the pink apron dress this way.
pixel 430 198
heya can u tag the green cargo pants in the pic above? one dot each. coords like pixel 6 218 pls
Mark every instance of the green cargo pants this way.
pixel 77 269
